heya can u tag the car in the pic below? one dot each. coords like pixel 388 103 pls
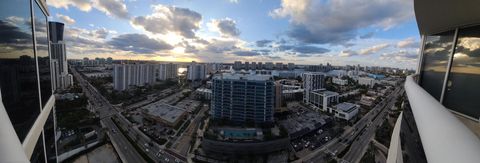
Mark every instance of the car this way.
pixel 167 160
pixel 177 160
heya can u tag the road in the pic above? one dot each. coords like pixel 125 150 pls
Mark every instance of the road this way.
pixel 106 111
pixel 126 151
pixel 182 145
pixel 338 144
pixel 360 146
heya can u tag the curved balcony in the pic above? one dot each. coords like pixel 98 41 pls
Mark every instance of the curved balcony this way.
pixel 445 139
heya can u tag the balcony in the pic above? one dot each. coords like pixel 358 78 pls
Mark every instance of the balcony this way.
pixel 442 137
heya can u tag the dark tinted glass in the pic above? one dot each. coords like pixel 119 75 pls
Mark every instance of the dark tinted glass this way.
pixel 38 155
pixel 43 56
pixel 49 131
pixel 18 75
pixel 436 54
pixel 463 91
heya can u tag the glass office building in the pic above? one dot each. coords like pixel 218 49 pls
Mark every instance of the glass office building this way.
pixel 243 98
pixel 27 101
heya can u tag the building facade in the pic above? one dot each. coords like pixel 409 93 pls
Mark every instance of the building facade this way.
pixel 27 116
pixel 196 71
pixel 61 78
pixel 166 71
pixel 322 99
pixel 126 75
pixel 312 81
pixel 242 98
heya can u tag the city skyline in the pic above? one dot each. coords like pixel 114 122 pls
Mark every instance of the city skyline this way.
pixel 276 31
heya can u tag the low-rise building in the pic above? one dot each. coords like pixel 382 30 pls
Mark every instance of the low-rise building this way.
pixel 345 110
pixel 368 100
pixel 203 93
pixel 164 113
pixel 339 81
pixel 366 81
pixel 322 99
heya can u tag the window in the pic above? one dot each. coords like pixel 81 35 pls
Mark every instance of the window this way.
pixel 436 53
pixel 462 92
pixel 18 73
pixel 38 155
pixel 43 57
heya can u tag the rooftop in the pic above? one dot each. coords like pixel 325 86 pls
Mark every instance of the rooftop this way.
pixel 346 107
pixel 325 92
pixel 239 76
pixel 166 112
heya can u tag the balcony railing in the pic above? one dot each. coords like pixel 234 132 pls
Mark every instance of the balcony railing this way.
pixel 444 138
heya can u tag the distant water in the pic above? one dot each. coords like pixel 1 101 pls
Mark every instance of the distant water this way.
pixel 181 70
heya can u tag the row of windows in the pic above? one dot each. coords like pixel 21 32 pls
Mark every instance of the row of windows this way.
pixel 461 90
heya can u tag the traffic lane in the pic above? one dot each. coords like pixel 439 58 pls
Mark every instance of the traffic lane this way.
pixel 365 139
pixel 360 124
pixel 125 148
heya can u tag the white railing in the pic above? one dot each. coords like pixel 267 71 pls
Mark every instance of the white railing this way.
pixel 395 150
pixel 444 138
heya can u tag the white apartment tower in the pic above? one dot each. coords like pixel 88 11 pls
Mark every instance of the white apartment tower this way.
pixel 312 81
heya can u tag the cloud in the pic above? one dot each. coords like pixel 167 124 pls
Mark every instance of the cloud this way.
pixel 246 53
pixel 373 49
pixel 263 43
pixel 114 8
pixel 138 43
pixel 66 19
pixel 338 21
pixel 226 27
pixel 401 56
pixel 84 5
pixel 233 1
pixel 365 51
pixel 367 35
pixel 165 19
pixel 347 53
pixel 304 49
pixel 408 43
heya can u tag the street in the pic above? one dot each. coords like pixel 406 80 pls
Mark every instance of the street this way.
pixel 106 111
pixel 361 128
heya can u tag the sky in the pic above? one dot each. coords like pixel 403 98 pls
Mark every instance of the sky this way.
pixel 339 32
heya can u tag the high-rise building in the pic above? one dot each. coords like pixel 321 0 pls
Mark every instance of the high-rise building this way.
pixel 109 60
pixel 312 81
pixel 269 65
pixel 126 75
pixel 253 66
pixel 26 93
pixel 196 71
pixel 61 78
pixel 237 65
pixel 246 66
pixel 166 71
pixel 291 66
pixel 243 98
pixel 259 65
pixel 279 66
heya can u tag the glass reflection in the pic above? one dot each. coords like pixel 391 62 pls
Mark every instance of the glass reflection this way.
pixel 43 56
pixel 18 75
pixel 436 54
pixel 49 131
pixel 463 92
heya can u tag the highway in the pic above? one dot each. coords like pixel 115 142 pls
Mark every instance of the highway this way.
pixel 126 151
pixel 360 146
pixel 106 111
pixel 337 145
